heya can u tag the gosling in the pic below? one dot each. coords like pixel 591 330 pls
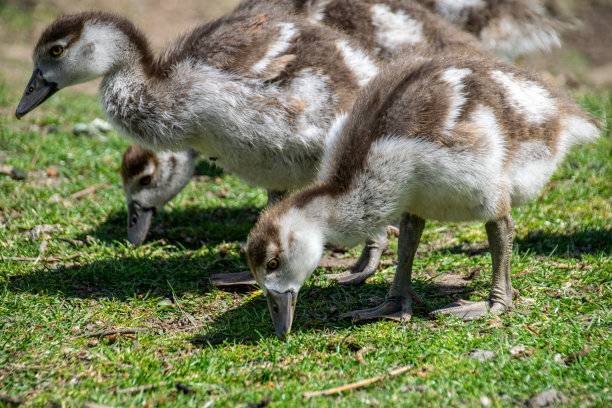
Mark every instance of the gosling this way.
pixel 456 138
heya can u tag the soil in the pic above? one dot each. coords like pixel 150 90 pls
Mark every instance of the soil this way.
pixel 584 61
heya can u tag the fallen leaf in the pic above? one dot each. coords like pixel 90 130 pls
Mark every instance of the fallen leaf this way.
pixel 516 350
pixel 570 359
pixel 482 355
pixel 547 398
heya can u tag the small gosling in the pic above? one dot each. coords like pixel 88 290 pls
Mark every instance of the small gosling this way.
pixel 455 138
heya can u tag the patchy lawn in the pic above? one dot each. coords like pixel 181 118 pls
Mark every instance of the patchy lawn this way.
pixel 86 318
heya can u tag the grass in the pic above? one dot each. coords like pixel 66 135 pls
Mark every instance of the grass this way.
pixel 219 346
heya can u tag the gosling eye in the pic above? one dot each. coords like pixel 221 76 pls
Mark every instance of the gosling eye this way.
pixel 145 180
pixel 273 264
pixel 56 50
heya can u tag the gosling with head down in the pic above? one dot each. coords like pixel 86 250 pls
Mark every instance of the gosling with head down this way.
pixel 454 138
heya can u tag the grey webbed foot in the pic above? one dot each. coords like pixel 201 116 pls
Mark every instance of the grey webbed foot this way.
pixel 232 279
pixel 467 310
pixel 365 266
pixel 398 308
pixel 500 299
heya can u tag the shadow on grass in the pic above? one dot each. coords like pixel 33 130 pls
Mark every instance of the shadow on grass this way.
pixel 126 277
pixel 188 227
pixel 570 245
pixel 317 309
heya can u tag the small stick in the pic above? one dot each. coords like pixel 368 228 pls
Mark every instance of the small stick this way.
pixel 531 330
pixel 146 387
pixel 359 354
pixel 75 242
pixel 95 405
pixel 7 399
pixel 39 259
pixel 88 190
pixel 110 332
pixel 355 385
pixel 187 315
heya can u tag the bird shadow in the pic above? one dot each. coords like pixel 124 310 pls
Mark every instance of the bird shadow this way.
pixel 124 278
pixel 247 322
pixel 318 309
pixel 189 227
pixel 541 243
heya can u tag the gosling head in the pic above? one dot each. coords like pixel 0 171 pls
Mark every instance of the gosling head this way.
pixel 150 180
pixel 78 48
pixel 284 249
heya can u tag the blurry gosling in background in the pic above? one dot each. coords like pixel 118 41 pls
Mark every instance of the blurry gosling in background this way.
pixel 450 139
pixel 507 28
pixel 150 181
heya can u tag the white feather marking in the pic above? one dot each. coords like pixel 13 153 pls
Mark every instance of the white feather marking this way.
pixel 531 167
pixel 508 38
pixel 493 137
pixel 454 10
pixel 395 29
pixel 576 130
pixel 333 135
pixel 454 77
pixel 287 33
pixel 361 64
pixel 528 98
pixel 317 13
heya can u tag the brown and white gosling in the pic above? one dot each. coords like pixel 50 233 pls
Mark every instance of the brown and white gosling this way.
pixel 257 93
pixel 385 28
pixel 450 139
pixel 506 28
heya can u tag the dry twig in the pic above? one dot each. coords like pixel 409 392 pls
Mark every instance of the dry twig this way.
pixel 531 330
pixel 7 399
pixel 146 387
pixel 111 332
pixel 95 405
pixel 88 190
pixel 355 385
pixel 75 242
pixel 359 354
pixel 187 315
pixel 39 259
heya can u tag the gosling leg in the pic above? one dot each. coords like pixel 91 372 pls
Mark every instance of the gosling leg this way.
pixel 398 304
pixel 499 233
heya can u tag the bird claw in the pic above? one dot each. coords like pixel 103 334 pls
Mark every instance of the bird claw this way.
pixel 393 308
pixel 468 311
pixel 232 279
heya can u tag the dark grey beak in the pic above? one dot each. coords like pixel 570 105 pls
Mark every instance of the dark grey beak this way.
pixel 139 222
pixel 37 91
pixel 282 306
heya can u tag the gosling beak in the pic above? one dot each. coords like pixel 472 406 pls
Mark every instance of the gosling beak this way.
pixel 139 222
pixel 37 91
pixel 282 306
